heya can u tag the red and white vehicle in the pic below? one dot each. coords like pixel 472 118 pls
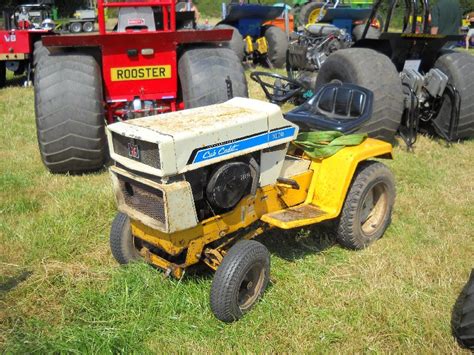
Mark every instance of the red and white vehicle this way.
pixel 146 65
pixel 25 25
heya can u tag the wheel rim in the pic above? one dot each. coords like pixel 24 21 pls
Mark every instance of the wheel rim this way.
pixel 251 286
pixel 373 209
pixel 88 27
pixel 314 15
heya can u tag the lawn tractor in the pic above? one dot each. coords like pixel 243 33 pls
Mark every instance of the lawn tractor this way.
pixel 145 65
pixel 253 41
pixel 417 83
pixel 196 187
pixel 24 26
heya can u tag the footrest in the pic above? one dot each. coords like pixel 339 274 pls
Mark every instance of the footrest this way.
pixel 298 216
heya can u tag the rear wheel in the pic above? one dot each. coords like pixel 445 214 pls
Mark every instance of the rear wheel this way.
pixel 310 13
pixel 374 71
pixel 459 67
pixel 367 210
pixel 39 53
pixel 240 280
pixel 123 245
pixel 277 46
pixel 3 74
pixel 69 113
pixel 210 76
pixel 236 43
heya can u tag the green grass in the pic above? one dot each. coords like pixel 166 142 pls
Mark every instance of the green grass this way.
pixel 61 290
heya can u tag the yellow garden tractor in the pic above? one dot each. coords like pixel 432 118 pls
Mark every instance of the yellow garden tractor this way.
pixel 197 186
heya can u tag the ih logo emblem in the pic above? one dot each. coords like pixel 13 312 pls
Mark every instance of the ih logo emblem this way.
pixel 133 151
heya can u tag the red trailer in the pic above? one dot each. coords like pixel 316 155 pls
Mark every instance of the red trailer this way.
pixel 146 65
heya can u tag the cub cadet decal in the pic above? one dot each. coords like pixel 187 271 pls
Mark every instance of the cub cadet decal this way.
pixel 242 144
pixel 141 73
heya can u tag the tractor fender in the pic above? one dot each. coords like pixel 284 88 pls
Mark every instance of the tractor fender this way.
pixel 333 176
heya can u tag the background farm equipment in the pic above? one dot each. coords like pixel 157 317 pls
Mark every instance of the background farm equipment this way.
pixel 336 27
pixel 83 21
pixel 417 84
pixel 144 67
pixel 200 195
pixel 253 41
pixel 24 27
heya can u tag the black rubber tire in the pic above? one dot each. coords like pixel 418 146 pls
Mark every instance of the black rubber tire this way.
pixel 121 240
pixel 374 71
pixel 241 258
pixel 236 43
pixel 75 27
pixel 277 46
pixel 459 67
pixel 306 10
pixel 88 27
pixel 3 74
pixel 39 53
pixel 464 329
pixel 372 33
pixel 349 232
pixel 69 113
pixel 203 74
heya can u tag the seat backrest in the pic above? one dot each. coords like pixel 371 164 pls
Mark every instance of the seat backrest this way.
pixel 136 18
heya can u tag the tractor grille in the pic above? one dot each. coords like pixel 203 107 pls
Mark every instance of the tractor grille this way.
pixel 148 153
pixel 143 198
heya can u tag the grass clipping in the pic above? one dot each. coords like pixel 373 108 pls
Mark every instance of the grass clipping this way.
pixel 319 145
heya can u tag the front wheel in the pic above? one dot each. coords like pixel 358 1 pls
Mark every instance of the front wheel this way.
pixel 240 280
pixel 75 27
pixel 367 211
pixel 123 245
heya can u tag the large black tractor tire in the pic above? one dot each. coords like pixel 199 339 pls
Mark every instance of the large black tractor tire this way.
pixel 277 46
pixel 236 43
pixel 372 32
pixel 240 280
pixel 464 327
pixel 122 244
pixel 3 74
pixel 69 113
pixel 367 210
pixel 40 52
pixel 210 76
pixel 374 71
pixel 459 67
pixel 308 12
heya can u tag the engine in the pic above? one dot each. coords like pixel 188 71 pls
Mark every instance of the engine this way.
pixel 174 170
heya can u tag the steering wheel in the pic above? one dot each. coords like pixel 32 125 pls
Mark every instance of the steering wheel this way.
pixel 277 88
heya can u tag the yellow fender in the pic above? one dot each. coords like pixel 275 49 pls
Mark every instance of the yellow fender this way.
pixel 329 184
pixel 333 176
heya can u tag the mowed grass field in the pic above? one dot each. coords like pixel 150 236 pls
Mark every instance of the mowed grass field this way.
pixel 61 290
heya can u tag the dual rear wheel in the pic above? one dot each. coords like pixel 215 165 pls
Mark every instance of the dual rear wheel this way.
pixel 69 101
